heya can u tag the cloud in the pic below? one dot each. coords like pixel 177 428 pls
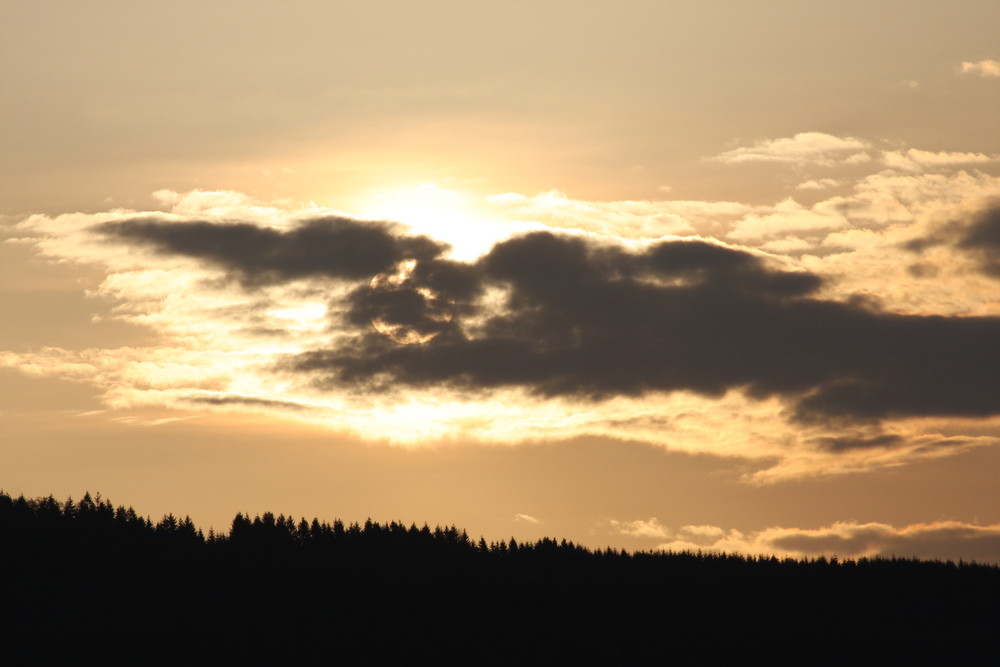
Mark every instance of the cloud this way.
pixel 235 401
pixel 788 216
pixel 703 530
pixel 641 528
pixel 915 160
pixel 982 241
pixel 146 423
pixel 805 147
pixel 834 358
pixel 526 518
pixel 976 236
pixel 593 321
pixel 818 184
pixel 635 219
pixel 844 443
pixel 942 540
pixel 983 68
pixel 332 247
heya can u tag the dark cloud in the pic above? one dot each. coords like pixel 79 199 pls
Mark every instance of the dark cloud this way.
pixel 982 240
pixel 244 401
pixel 977 237
pixel 331 246
pixel 921 244
pixel 944 540
pixel 922 270
pixel 853 541
pixel 885 441
pixel 594 321
pixel 847 443
pixel 591 320
pixel 422 301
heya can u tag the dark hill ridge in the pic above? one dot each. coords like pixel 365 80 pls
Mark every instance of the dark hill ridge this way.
pixel 92 570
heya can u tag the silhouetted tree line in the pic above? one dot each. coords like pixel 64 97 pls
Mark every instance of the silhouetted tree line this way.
pixel 100 580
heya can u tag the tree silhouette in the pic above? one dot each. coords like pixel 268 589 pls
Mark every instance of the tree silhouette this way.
pixel 101 574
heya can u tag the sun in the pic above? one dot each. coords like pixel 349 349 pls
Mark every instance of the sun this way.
pixel 453 216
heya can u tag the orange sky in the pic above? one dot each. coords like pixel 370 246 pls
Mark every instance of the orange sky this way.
pixel 852 147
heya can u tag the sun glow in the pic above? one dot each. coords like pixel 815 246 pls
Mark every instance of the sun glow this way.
pixel 303 317
pixel 451 216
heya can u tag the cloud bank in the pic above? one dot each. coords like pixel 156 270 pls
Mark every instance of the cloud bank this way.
pixel 941 540
pixel 855 332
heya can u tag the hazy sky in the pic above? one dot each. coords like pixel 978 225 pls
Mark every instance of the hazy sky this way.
pixel 684 275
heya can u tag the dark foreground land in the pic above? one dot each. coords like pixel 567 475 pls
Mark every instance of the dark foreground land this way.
pixel 89 583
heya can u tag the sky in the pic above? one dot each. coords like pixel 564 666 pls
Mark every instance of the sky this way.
pixel 687 275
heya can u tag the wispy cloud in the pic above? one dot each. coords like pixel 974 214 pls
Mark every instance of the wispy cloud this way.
pixel 918 160
pixel 805 147
pixel 818 184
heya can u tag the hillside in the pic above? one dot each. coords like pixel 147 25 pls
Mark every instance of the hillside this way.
pixel 103 579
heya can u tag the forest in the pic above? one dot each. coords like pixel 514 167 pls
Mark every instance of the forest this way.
pixel 102 582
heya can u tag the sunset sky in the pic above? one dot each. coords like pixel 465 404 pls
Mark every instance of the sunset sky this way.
pixel 716 275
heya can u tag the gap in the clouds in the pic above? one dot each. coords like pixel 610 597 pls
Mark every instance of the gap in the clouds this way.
pixel 59 305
